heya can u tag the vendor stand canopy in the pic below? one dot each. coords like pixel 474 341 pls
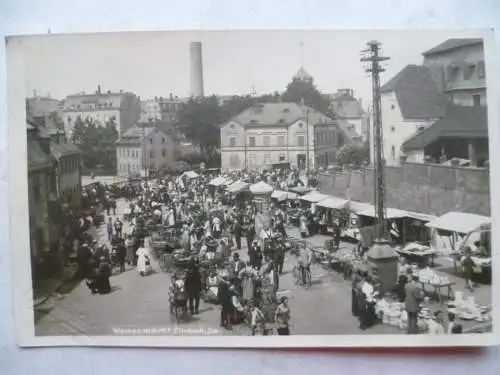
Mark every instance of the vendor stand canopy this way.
pixel 300 189
pixel 333 203
pixel 391 213
pixel 313 197
pixel 281 195
pixel 357 207
pixel 237 186
pixel 190 174
pixel 218 181
pixel 459 222
pixel 261 188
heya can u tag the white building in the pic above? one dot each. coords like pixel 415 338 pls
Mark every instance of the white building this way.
pixel 280 132
pixel 123 108
pixel 410 102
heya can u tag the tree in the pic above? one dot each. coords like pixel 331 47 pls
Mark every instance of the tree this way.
pixel 353 155
pixel 299 90
pixel 78 132
pixel 199 121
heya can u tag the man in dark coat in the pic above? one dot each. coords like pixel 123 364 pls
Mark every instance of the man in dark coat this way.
pixel 103 275
pixel 413 297
pixel 224 297
pixel 193 287
pixel 237 233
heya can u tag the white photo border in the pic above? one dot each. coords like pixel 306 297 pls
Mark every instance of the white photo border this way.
pixel 20 254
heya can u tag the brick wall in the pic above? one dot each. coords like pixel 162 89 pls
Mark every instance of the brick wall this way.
pixel 430 189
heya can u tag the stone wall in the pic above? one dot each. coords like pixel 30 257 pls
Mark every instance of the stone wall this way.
pixel 430 189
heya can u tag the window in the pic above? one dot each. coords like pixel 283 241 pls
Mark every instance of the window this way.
pixel 253 160
pixel 267 159
pixel 152 154
pixel 300 141
pixel 393 153
pixel 251 141
pixel 468 71
pixel 281 140
pixel 481 71
pixel 476 100
pixel 301 125
pixel 267 141
pixel 393 129
pixel 150 141
pixel 69 118
pixel 163 153
pixel 234 161
pixel 163 140
pixel 128 152
pixel 232 141
pixel 282 158
pixel 393 106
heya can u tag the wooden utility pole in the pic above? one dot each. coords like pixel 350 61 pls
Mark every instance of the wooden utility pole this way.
pixel 373 57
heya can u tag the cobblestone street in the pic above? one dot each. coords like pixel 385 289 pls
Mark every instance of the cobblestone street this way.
pixel 142 303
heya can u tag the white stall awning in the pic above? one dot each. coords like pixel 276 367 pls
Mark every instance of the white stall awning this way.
pixel 391 213
pixel 261 188
pixel 459 222
pixel 190 174
pixel 357 207
pixel 313 197
pixel 237 186
pixel 218 181
pixel 333 203
pixel 281 195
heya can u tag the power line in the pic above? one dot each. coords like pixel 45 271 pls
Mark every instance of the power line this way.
pixel 372 56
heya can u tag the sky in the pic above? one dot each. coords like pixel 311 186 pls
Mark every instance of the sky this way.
pixel 153 64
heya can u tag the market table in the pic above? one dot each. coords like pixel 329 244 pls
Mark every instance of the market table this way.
pixel 436 289
pixel 426 255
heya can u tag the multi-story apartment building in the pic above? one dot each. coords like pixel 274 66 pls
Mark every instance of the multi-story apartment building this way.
pixel 123 108
pixel 161 109
pixel 143 149
pixel 348 108
pixel 280 132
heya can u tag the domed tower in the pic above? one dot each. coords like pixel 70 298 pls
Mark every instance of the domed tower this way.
pixel 302 75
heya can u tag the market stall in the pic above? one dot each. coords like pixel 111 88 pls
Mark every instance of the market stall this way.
pixel 350 230
pixel 452 232
pixel 190 175
pixel 281 195
pixel 335 210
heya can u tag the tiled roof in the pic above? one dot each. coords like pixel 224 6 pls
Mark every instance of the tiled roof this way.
pixel 139 131
pixel 62 149
pixel 285 114
pixel 451 44
pixel 460 122
pixel 417 94
pixel 37 158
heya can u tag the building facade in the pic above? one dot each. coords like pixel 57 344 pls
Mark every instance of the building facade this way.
pixel 41 190
pixel 161 109
pixel 458 67
pixel 410 102
pixel 279 132
pixel 123 108
pixel 348 108
pixel 143 150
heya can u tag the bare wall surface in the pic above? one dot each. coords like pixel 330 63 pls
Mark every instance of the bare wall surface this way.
pixel 430 189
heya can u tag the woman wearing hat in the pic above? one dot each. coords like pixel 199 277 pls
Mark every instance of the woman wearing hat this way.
pixel 282 317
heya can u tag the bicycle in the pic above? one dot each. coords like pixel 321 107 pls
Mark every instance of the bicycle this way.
pixel 298 276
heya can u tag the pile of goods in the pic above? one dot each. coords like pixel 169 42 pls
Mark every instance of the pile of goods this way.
pixel 394 314
pixel 428 276
pixel 345 255
pixel 467 309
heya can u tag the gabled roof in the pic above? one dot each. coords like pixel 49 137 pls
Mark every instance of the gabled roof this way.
pixel 417 93
pixel 302 75
pixel 460 122
pixel 452 44
pixel 62 149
